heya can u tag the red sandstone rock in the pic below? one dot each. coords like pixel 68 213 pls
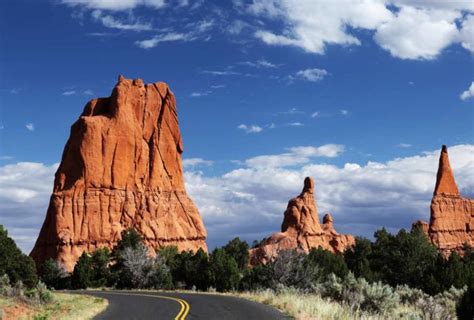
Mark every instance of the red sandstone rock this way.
pixel 452 216
pixel 121 167
pixel 301 230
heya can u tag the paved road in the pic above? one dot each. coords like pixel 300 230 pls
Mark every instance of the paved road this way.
pixel 180 306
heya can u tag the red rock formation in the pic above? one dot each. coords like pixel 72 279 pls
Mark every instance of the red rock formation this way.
pixel 301 230
pixel 121 167
pixel 452 216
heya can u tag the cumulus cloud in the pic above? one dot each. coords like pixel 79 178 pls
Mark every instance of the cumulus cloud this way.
pixel 69 93
pixel 408 29
pixel 417 33
pixel 469 93
pixel 249 201
pixel 313 75
pixel 115 4
pixel 250 128
pixel 25 188
pixel 30 126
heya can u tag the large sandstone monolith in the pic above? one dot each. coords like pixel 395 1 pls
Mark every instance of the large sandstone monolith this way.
pixel 121 167
pixel 452 216
pixel 301 230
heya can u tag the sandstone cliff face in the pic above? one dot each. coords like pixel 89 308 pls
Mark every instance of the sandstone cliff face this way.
pixel 452 216
pixel 121 167
pixel 301 230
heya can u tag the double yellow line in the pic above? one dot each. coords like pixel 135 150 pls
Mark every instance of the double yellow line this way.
pixel 183 303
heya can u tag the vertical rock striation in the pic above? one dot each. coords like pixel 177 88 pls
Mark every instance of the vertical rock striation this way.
pixel 121 167
pixel 301 230
pixel 452 216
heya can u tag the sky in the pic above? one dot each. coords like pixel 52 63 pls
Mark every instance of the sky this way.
pixel 360 95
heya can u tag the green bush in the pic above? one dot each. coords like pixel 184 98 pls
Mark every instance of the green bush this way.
pixel 465 306
pixel 239 250
pixel 83 271
pixel 18 266
pixel 327 262
pixel 53 274
pixel 224 270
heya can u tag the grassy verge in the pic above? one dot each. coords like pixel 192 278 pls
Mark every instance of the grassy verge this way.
pixel 311 306
pixel 64 306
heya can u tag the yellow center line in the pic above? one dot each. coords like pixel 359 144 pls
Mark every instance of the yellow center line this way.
pixel 183 312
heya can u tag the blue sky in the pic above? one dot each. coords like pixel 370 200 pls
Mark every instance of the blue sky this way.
pixel 358 82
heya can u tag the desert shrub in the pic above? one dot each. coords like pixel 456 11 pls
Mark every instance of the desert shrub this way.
pixel 39 294
pixel 224 270
pixel 378 297
pixel 159 276
pixel 142 271
pixel 291 269
pixel 5 287
pixel 358 294
pixel 14 263
pixel 54 275
pixel 410 295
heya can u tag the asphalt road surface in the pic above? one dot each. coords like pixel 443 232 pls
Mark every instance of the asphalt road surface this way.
pixel 179 306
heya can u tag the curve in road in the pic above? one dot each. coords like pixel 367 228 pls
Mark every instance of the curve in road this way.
pixel 181 306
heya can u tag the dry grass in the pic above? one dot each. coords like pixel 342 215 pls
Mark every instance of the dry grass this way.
pixel 64 306
pixel 311 306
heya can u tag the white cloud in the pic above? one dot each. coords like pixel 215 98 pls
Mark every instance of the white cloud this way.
pixel 221 73
pixel 295 156
pixel 344 112
pixel 311 25
pixel 113 23
pixel 69 93
pixel 198 94
pixel 250 128
pixel 291 111
pixel 25 188
pixel 249 201
pixel 115 4
pixel 362 198
pixel 313 75
pixel 417 33
pixel 469 93
pixel 404 145
pixel 408 29
pixel 218 86
pixel 30 126
pixel 467 33
pixel 236 27
pixel 88 92
pixel 262 63
pixel 295 124
pixel 168 37
pixel 315 114
pixel 196 162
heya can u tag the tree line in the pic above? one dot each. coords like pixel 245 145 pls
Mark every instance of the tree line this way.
pixel 404 260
